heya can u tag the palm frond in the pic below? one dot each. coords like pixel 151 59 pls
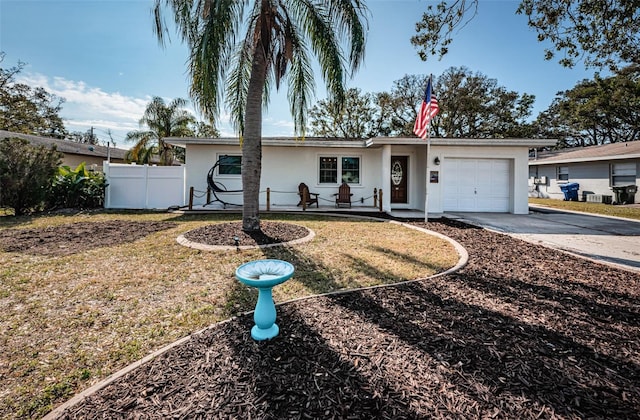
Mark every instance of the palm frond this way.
pixel 183 12
pixel 211 50
pixel 238 84
pixel 301 82
pixel 350 19
pixel 326 47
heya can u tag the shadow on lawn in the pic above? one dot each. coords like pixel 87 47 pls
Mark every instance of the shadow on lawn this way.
pixel 475 344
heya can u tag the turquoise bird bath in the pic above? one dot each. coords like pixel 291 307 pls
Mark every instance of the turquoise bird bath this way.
pixel 264 275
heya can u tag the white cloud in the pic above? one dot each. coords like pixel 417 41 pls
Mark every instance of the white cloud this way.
pixel 86 106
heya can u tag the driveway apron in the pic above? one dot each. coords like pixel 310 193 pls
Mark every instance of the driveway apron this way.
pixel 606 239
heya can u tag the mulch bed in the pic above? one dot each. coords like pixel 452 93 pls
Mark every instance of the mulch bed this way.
pixel 521 332
pixel 227 233
pixel 69 239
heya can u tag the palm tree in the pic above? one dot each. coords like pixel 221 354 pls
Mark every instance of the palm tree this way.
pixel 162 121
pixel 279 36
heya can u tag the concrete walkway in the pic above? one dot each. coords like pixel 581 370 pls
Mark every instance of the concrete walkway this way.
pixel 611 240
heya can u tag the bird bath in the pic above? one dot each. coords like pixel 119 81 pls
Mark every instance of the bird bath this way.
pixel 264 275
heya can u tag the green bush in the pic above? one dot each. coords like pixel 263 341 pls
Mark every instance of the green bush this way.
pixel 26 173
pixel 77 188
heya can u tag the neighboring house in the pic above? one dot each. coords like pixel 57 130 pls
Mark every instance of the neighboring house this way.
pixel 459 175
pixel 596 169
pixel 74 152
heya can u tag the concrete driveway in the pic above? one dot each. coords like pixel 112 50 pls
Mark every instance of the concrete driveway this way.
pixel 610 240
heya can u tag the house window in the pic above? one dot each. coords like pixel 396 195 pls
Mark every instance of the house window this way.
pixel 230 165
pixel 328 170
pixel 563 173
pixel 351 170
pixel 623 174
pixel 347 167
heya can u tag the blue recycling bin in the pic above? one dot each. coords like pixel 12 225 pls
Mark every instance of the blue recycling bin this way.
pixel 570 191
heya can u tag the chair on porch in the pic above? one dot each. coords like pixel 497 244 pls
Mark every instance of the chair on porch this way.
pixel 343 197
pixel 305 196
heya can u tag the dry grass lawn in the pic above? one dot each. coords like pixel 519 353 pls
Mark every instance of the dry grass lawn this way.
pixel 69 321
pixel 629 212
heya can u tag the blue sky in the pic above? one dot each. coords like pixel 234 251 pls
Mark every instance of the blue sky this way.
pixel 103 58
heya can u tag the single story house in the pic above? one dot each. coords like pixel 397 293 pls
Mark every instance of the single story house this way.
pixel 442 175
pixel 597 169
pixel 74 153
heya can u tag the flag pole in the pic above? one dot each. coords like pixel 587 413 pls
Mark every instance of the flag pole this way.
pixel 426 181
pixel 422 128
pixel 426 166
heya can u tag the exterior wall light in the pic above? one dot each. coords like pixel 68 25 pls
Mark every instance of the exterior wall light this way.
pixel 436 160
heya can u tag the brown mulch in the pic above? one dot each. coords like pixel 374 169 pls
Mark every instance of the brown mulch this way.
pixel 227 233
pixel 521 332
pixel 72 238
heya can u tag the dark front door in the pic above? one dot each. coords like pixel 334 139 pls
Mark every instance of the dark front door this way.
pixel 399 176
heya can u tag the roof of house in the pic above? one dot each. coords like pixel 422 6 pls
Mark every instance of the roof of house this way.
pixel 68 146
pixel 369 143
pixel 613 151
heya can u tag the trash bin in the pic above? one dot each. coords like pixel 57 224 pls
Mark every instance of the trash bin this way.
pixel 625 194
pixel 570 191
pixel 631 190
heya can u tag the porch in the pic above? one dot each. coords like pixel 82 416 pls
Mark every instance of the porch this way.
pixel 216 207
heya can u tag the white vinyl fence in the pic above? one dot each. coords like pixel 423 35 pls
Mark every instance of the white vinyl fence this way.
pixel 144 186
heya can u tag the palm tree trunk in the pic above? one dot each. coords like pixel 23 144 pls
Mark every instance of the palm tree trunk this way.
pixel 252 144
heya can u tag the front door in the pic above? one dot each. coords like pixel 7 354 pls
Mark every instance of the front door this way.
pixel 399 175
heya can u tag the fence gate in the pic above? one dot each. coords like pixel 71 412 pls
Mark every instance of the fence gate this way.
pixel 143 186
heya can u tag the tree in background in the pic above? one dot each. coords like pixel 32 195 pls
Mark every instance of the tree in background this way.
pixel 471 106
pixel 400 106
pixel 603 32
pixel 162 120
pixel 598 111
pixel 202 129
pixel 367 115
pixel 88 137
pixel 26 173
pixel 28 110
pixel 358 118
pixel 279 36
pixel 475 106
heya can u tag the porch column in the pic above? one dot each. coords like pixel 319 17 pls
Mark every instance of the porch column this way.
pixel 386 178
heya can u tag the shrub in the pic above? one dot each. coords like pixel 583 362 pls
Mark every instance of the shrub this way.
pixel 26 173
pixel 78 188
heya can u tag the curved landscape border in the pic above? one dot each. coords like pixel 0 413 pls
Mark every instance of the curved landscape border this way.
pixel 182 240
pixel 462 261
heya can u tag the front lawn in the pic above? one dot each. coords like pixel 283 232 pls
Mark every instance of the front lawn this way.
pixel 70 318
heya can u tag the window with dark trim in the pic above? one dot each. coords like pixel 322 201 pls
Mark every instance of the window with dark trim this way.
pixel 623 174
pixel 328 170
pixel 334 169
pixel 563 173
pixel 351 170
pixel 230 165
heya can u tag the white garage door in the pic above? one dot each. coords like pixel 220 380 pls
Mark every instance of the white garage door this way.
pixel 476 185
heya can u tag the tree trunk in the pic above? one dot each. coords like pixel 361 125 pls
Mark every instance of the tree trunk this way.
pixel 252 144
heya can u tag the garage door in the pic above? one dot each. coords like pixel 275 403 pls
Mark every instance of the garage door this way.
pixel 476 185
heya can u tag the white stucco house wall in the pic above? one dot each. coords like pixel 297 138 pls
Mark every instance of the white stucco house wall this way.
pixel 596 169
pixel 459 175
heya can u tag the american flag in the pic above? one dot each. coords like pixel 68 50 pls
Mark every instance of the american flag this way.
pixel 428 110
